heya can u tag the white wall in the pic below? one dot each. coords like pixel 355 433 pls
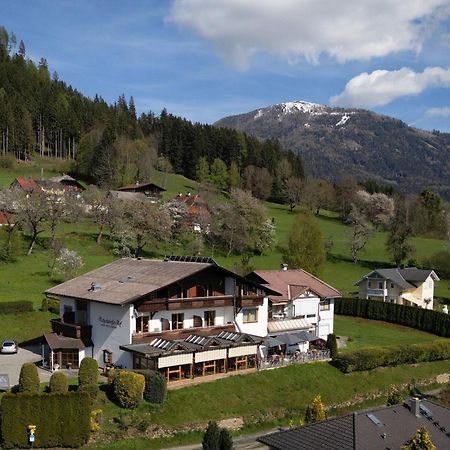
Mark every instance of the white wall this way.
pixel 258 328
pixel 111 327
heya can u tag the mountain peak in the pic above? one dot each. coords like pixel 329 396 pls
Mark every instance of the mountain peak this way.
pixel 338 141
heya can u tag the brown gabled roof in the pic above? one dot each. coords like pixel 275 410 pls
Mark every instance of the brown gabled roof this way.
pixel 27 184
pixel 6 218
pixel 126 280
pixel 140 187
pixel 292 283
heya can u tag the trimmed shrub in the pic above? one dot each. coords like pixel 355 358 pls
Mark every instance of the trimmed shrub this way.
pixel 422 319
pixel 155 386
pixel 62 420
pixel 29 379
pixel 128 388
pixel 332 345
pixel 371 358
pixel 58 383
pixel 88 372
pixel 91 390
pixel 16 307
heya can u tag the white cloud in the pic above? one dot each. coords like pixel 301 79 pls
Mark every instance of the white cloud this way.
pixel 443 111
pixel 381 87
pixel 292 29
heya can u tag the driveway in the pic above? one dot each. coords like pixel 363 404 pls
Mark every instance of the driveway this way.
pixel 11 364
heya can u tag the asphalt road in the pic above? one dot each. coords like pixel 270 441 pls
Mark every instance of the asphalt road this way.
pixel 11 364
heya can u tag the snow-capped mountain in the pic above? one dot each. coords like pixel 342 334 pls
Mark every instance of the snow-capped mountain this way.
pixel 334 142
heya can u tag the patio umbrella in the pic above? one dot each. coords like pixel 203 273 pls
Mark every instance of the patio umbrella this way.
pixel 290 339
pixel 274 342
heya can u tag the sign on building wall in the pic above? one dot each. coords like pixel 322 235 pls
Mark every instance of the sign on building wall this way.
pixel 110 323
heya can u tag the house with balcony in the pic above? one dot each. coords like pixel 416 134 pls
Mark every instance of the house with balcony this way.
pixel 139 191
pixel 182 315
pixel 404 286
pixel 303 302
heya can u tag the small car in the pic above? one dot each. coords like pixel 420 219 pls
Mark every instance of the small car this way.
pixel 9 346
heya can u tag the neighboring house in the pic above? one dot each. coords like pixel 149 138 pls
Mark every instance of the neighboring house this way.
pixel 149 190
pixel 69 182
pixel 185 315
pixel 50 187
pixel 7 219
pixel 304 302
pixel 195 211
pixel 409 286
pixel 382 428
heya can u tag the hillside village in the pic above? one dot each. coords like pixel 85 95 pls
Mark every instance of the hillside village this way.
pixel 168 283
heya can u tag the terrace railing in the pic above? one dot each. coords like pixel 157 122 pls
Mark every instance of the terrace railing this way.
pixel 295 358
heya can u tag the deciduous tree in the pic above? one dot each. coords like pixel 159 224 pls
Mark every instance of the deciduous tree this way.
pixel 305 248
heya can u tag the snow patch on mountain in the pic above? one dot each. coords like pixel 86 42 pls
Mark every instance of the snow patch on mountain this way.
pixel 343 120
pixel 300 106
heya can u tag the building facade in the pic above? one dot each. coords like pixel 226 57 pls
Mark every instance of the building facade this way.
pixel 124 311
pixel 405 286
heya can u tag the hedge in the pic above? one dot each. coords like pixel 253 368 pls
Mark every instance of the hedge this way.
pixel 16 307
pixel 62 420
pixel 371 358
pixel 58 382
pixel 88 371
pixel 155 390
pixel 422 319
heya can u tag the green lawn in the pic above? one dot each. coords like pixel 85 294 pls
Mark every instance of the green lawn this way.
pixel 365 333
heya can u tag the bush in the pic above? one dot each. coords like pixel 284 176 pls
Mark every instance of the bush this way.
pixel 332 345
pixel 50 304
pixel 211 438
pixel 128 388
pixel 62 420
pixel 225 440
pixel 58 383
pixel 440 262
pixel 155 386
pixel 29 379
pixel 371 358
pixel 422 319
pixel 88 372
pixel 91 390
pixel 16 307
pixel 7 161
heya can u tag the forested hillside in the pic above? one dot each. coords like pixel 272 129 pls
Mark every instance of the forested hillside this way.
pixel 110 144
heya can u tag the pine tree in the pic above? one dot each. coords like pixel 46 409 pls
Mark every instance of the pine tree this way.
pixel 316 411
pixel 394 396
pixel 420 441
pixel 211 438
pixel 332 345
pixel 225 440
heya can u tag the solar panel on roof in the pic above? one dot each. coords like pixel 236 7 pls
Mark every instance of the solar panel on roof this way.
pixel 425 411
pixel 375 420
pixel 190 258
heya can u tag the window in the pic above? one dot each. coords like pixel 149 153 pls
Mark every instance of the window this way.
pixel 324 305
pixel 250 315
pixel 369 284
pixel 380 285
pixel 392 285
pixel 210 318
pixel 142 324
pixel 177 321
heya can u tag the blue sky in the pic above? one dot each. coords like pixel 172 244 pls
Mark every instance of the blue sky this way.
pixel 205 59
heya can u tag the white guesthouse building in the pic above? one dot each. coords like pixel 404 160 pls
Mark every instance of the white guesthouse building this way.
pixel 185 316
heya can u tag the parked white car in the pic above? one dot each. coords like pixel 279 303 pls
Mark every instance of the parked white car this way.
pixel 9 346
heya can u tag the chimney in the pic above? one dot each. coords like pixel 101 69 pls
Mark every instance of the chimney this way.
pixel 284 267
pixel 415 406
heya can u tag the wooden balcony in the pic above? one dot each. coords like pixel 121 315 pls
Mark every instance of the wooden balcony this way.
pixel 143 338
pixel 172 304
pixel 71 330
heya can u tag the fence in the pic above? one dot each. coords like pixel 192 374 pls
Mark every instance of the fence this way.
pixel 294 358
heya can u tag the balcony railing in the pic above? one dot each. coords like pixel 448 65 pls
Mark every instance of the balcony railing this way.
pixel 377 292
pixel 71 330
pixel 142 338
pixel 171 304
